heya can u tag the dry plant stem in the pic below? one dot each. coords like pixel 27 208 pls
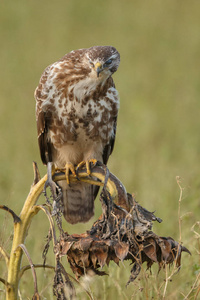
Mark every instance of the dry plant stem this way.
pixel 5 255
pixel 167 278
pixel 4 281
pixel 192 289
pixel 28 267
pixel 166 282
pixel 20 233
pixel 197 281
pixel 31 265
pixel 15 217
pixel 28 212
pixel 179 205
pixel 45 210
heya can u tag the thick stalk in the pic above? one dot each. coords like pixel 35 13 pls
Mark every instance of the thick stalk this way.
pixel 20 233
pixel 114 187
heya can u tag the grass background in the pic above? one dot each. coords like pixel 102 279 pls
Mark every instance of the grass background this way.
pixel 158 124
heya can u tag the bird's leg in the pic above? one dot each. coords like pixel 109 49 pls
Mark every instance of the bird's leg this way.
pixel 50 182
pixel 55 189
pixel 69 167
pixel 86 163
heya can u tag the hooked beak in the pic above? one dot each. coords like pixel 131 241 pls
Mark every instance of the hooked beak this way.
pixel 99 68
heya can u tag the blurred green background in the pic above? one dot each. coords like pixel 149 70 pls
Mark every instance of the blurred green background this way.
pixel 158 125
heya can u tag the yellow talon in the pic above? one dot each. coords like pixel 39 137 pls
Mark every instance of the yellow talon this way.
pixel 69 167
pixel 86 163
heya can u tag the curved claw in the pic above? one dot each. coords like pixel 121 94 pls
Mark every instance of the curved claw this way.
pixel 86 163
pixel 69 167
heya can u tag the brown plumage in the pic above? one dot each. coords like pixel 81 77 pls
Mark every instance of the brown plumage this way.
pixel 76 112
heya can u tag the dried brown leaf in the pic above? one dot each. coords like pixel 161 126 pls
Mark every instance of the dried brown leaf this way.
pixel 166 248
pixel 93 259
pixel 85 259
pixel 85 243
pixel 101 252
pixel 150 249
pixel 65 247
pixel 121 250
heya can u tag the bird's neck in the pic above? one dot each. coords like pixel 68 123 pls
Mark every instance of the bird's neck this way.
pixel 87 86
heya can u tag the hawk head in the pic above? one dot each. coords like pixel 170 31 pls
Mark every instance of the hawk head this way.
pixel 103 61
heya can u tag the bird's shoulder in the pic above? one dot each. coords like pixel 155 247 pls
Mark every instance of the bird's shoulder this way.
pixel 61 74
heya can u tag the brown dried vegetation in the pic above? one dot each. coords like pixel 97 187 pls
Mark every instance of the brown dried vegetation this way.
pixel 120 235
pixel 122 232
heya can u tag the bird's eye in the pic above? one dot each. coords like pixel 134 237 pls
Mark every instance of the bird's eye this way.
pixel 91 63
pixel 108 62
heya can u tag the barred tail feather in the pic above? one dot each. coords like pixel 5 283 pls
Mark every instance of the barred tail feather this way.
pixel 78 201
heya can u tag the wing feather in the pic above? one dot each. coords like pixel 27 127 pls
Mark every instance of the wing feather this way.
pixel 43 119
pixel 45 145
pixel 108 149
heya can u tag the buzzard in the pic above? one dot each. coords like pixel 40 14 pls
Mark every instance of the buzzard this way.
pixel 76 112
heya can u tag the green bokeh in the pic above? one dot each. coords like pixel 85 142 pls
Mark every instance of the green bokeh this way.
pixel 159 119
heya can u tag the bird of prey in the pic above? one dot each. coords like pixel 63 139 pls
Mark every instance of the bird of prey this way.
pixel 76 112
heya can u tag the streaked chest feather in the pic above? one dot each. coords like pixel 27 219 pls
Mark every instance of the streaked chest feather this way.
pixel 82 112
